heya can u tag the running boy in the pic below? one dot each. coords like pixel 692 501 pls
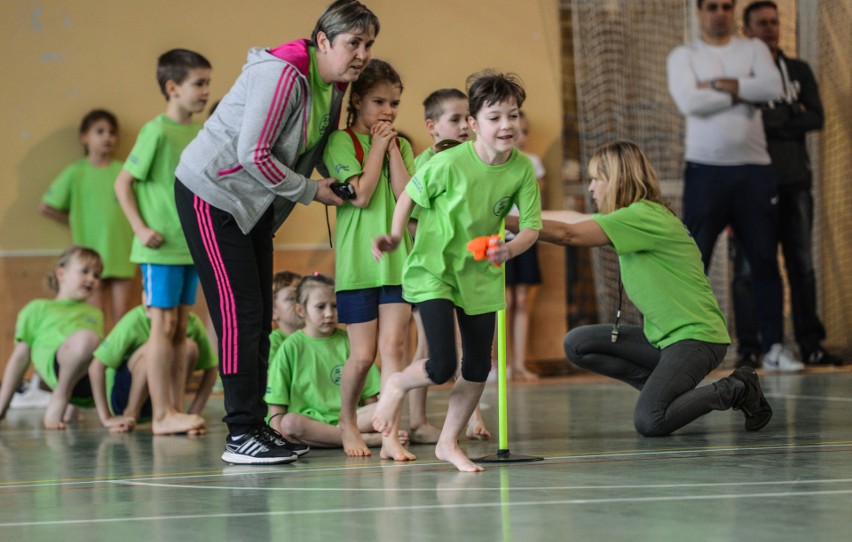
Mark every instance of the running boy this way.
pixel 463 193
pixel 145 190
pixel 119 372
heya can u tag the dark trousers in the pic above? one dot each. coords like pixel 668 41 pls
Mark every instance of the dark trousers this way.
pixel 477 334
pixel 667 378
pixel 235 271
pixel 796 210
pixel 744 197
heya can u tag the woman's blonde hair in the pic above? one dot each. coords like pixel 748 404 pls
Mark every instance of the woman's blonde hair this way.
pixel 85 255
pixel 629 175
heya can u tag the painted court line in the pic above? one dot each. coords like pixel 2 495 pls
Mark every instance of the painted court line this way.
pixel 454 506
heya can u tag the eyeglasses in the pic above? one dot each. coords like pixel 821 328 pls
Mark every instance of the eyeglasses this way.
pixel 712 7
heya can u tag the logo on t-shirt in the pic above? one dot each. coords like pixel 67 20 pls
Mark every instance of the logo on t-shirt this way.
pixel 501 206
pixel 335 375
pixel 340 167
pixel 324 123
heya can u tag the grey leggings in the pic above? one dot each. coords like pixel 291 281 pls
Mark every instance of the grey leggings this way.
pixel 666 378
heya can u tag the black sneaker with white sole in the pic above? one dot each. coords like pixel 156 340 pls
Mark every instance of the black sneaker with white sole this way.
pixel 258 447
pixel 298 449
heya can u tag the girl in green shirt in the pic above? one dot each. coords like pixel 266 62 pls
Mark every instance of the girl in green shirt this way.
pixel 59 336
pixel 83 197
pixel 684 335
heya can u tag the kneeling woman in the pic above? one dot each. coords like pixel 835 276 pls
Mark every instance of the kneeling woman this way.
pixel 684 335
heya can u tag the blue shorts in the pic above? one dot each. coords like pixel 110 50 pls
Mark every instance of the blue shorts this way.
pixel 121 394
pixel 359 306
pixel 167 286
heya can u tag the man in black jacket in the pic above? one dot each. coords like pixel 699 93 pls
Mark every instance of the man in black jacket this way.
pixel 786 122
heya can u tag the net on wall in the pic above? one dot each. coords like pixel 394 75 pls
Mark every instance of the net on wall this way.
pixel 620 51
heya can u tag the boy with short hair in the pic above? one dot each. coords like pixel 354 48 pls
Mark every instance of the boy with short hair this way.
pixel 145 190
pixel 287 320
pixel 446 113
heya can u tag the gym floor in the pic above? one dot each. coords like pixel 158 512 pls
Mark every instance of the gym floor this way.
pixel 599 479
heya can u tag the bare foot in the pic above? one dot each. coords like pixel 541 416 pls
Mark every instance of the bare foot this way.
pixel 389 402
pixel 392 448
pixel 523 375
pixel 456 456
pixel 476 430
pixel 54 413
pixel 179 423
pixel 72 414
pixel 425 434
pixel 353 443
pixel 374 440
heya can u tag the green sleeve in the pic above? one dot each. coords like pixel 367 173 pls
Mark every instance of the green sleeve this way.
pixel 125 338
pixel 279 377
pixel 24 331
pixel 339 157
pixel 58 194
pixel 528 199
pixel 144 151
pixel 427 183
pixel 630 229
pixel 407 155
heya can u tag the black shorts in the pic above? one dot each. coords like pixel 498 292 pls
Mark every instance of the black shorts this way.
pixel 524 269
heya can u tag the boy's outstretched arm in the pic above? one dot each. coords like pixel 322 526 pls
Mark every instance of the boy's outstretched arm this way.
pixel 17 365
pixel 401 215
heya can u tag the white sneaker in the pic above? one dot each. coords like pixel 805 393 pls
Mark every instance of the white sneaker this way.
pixel 32 396
pixel 781 359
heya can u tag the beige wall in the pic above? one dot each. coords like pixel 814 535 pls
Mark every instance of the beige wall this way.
pixel 64 57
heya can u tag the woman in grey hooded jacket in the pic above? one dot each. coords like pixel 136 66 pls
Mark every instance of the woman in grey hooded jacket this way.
pixel 238 181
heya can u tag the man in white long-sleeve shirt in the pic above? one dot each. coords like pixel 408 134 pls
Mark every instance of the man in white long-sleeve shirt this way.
pixel 716 82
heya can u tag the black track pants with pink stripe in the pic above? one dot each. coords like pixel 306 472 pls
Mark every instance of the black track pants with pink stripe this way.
pixel 235 271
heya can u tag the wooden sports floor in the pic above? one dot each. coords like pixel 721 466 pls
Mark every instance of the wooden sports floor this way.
pixel 599 480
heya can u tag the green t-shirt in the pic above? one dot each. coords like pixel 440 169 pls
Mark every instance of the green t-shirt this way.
pixel 423 157
pixel 152 162
pixel 462 198
pixel 44 324
pixel 276 339
pixel 133 330
pixel 305 375
pixel 663 275
pixel 321 93
pixel 87 194
pixel 356 228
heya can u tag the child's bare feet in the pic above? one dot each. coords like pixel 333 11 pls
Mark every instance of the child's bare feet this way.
pixel 476 429
pixel 457 457
pixel 425 434
pixel 179 423
pixel 353 443
pixel 54 413
pixel 392 448
pixel 374 440
pixel 390 400
pixel 72 414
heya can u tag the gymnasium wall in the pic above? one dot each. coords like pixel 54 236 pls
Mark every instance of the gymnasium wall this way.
pixel 66 57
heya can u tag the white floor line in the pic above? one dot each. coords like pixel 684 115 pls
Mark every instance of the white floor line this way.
pixel 452 506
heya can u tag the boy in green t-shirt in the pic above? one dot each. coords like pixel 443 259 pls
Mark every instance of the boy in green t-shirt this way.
pixel 287 320
pixel 445 112
pixel 118 376
pixel 145 190
pixel 463 193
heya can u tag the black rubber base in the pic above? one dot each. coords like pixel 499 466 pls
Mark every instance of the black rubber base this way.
pixel 505 456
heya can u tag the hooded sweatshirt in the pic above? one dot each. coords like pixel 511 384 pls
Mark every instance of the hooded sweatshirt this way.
pixel 250 153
